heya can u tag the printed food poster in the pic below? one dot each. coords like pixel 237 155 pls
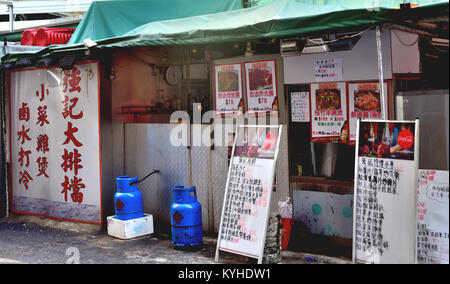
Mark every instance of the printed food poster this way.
pixel 229 99
pixel 248 192
pixel 55 142
pixel 385 195
pixel 329 112
pixel 261 87
pixel 432 217
pixel 364 102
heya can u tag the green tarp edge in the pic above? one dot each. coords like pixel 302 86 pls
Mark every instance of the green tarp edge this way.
pixel 273 28
pixel 106 19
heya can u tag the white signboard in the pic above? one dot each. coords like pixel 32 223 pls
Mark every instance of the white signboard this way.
pixel 385 192
pixel 432 217
pixel 328 70
pixel 55 142
pixel 261 79
pixel 300 106
pixel 328 111
pixel 248 192
pixel 229 99
pixel 364 102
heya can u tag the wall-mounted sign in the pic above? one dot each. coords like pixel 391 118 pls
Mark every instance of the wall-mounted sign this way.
pixel 432 217
pixel 248 192
pixel 261 80
pixel 364 102
pixel 328 111
pixel 229 98
pixel 328 70
pixel 384 215
pixel 55 142
pixel 300 106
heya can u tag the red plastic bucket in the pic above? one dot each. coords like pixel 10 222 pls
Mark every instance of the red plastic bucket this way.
pixel 286 232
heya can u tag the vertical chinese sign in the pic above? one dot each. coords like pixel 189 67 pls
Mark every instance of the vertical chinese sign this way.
pixel 386 161
pixel 229 98
pixel 328 112
pixel 432 217
pixel 261 80
pixel 248 191
pixel 55 142
pixel 364 102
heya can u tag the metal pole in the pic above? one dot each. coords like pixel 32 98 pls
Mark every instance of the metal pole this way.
pixel 11 17
pixel 187 52
pixel 380 73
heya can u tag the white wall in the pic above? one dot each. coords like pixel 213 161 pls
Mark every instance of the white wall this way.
pixel 405 52
pixel 359 64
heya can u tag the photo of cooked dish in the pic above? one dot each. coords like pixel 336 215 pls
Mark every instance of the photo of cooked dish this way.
pixel 367 101
pixel 260 78
pixel 328 99
pixel 228 81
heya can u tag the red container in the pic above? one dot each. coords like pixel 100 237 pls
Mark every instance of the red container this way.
pixel 286 232
pixel 28 37
pixel 49 36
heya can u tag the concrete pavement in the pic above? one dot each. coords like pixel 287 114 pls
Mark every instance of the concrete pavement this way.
pixel 33 240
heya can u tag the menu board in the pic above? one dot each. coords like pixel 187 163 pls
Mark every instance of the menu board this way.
pixel 248 192
pixel 300 106
pixel 326 70
pixel 364 102
pixel 55 142
pixel 385 192
pixel 432 217
pixel 261 81
pixel 328 112
pixel 229 99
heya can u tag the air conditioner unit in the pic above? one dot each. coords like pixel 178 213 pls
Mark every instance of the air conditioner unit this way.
pixel 291 47
pixel 315 49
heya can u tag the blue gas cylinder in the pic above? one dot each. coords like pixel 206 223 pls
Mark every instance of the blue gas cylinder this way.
pixel 128 199
pixel 186 217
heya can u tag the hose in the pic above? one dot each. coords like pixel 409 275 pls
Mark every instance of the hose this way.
pixel 153 172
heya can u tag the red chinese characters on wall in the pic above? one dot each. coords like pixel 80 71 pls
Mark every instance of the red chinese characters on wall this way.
pixel 42 144
pixel 72 160
pixel 24 154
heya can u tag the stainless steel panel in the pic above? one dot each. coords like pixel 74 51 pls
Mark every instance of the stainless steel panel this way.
pixel 432 108
pixel 201 178
pixel 282 172
pixel 219 172
pixel 148 147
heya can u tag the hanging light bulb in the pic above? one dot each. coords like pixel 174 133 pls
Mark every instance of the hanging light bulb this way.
pixel 112 74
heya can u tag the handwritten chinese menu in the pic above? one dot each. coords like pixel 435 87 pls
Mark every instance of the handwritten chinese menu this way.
pixel 432 217
pixel 384 199
pixel 248 192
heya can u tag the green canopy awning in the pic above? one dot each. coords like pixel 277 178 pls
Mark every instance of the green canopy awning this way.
pixel 112 18
pixel 274 20
pixel 352 4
